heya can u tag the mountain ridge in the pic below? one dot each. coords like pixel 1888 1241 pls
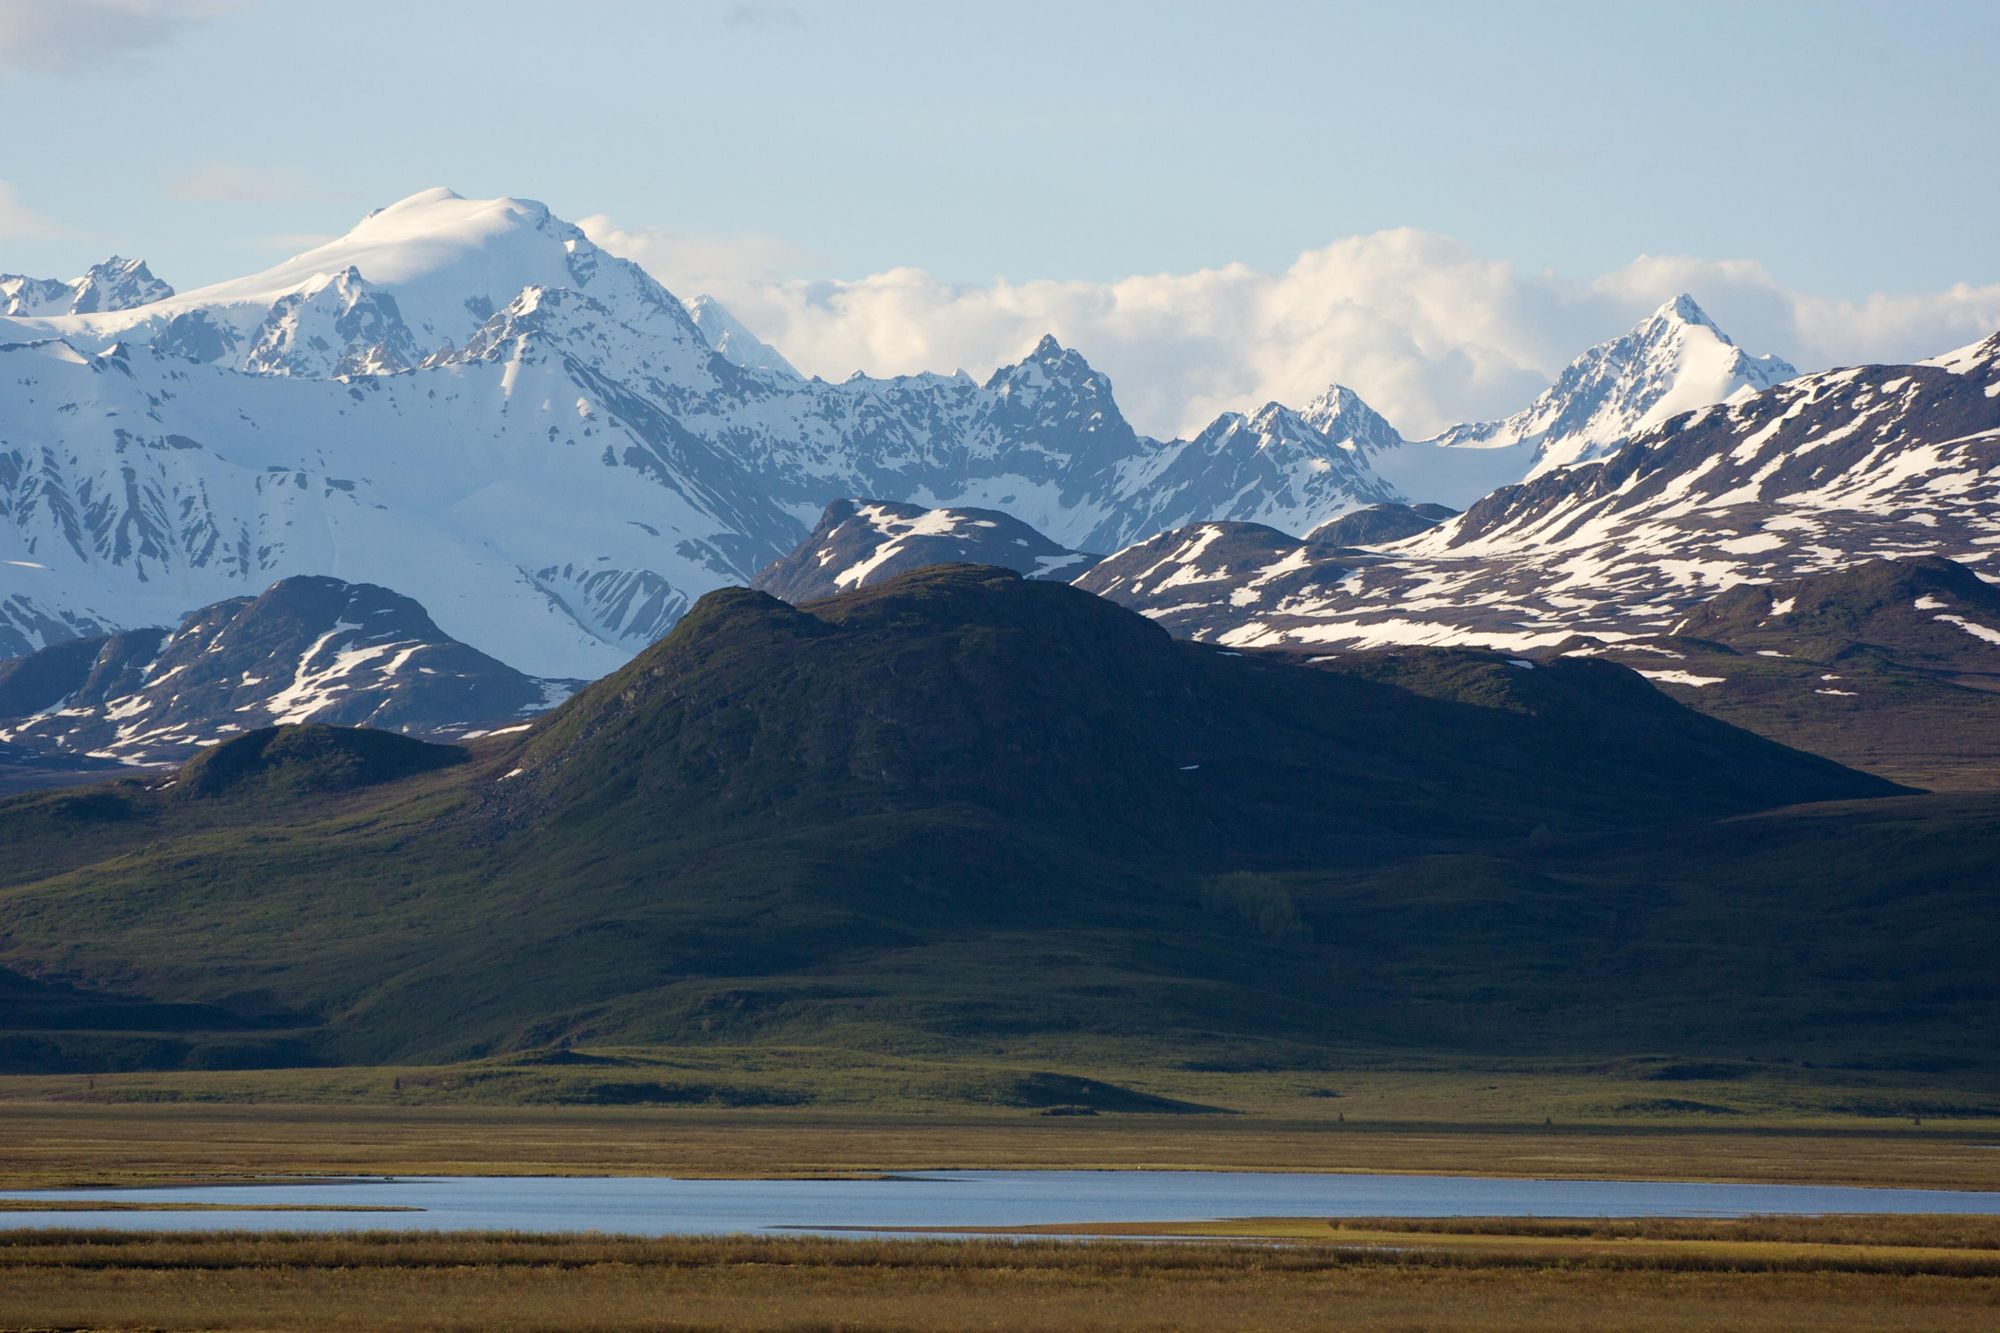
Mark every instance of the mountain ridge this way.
pixel 469 401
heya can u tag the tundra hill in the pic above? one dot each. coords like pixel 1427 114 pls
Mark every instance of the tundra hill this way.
pixel 1892 666
pixel 963 810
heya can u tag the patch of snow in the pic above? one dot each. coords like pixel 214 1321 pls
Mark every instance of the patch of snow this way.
pixel 1687 678
pixel 1976 631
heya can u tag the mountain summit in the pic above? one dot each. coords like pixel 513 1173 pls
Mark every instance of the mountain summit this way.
pixel 115 284
pixel 1676 360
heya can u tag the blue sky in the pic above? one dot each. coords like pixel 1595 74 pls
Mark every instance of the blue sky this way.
pixel 1847 147
pixel 1845 150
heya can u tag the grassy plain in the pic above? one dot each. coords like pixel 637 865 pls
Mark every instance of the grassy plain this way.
pixel 1416 1280
pixel 72 1143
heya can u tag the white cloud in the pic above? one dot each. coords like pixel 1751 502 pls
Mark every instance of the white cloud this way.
pixel 18 222
pixel 693 263
pixel 1420 326
pixel 85 35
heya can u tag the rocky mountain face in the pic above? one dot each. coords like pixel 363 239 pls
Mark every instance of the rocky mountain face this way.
pixel 116 284
pixel 862 542
pixel 469 402
pixel 307 649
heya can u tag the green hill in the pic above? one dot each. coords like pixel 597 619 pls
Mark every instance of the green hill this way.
pixel 960 811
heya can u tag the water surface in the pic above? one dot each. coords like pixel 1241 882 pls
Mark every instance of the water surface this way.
pixel 659 1206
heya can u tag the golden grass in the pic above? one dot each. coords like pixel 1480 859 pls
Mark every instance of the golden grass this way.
pixel 1910 1244
pixel 69 1143
pixel 237 1281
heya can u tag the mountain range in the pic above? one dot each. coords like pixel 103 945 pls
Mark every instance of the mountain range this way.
pixel 116 284
pixel 470 403
pixel 1819 473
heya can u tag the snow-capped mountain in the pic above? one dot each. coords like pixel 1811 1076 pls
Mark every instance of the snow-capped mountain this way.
pixel 1273 468
pixel 1214 576
pixel 1674 361
pixel 115 284
pixel 1821 472
pixel 305 650
pixel 468 401
pixel 862 542
pixel 727 335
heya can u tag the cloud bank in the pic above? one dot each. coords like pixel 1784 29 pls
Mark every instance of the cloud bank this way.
pixel 18 222
pixel 84 36
pixel 1416 323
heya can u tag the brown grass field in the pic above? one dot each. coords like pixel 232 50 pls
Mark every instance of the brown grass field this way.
pixel 43 1144
pixel 1348 1280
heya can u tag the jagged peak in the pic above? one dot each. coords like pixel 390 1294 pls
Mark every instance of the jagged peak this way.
pixel 1052 361
pixel 734 340
pixel 1272 411
pixel 1343 416
pixel 1053 356
pixel 1683 310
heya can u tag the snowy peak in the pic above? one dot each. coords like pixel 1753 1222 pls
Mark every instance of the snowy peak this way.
pixel 1978 361
pixel 864 542
pixel 306 649
pixel 409 283
pixel 23 295
pixel 1271 427
pixel 728 336
pixel 1683 310
pixel 1341 416
pixel 116 284
pixel 447 261
pixel 1049 364
pixel 1272 468
pixel 336 326
pixel 1053 401
pixel 1676 360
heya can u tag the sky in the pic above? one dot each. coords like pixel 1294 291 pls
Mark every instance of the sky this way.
pixel 1436 203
